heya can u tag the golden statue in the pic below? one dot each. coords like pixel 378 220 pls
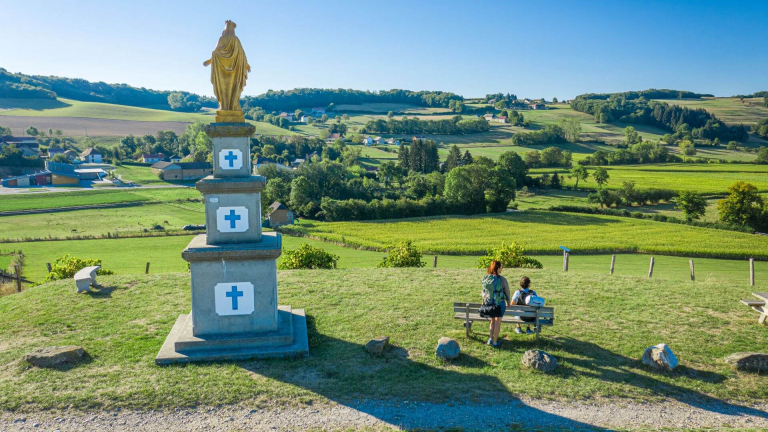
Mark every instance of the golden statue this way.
pixel 229 70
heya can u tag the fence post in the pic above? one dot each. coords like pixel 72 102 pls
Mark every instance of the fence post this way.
pixel 18 279
pixel 693 274
pixel 434 263
pixel 146 271
pixel 752 272
pixel 613 262
pixel 334 264
pixel 50 269
pixel 565 261
pixel 650 270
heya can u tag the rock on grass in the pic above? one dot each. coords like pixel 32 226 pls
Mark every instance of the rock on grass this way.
pixel 749 361
pixel 540 361
pixel 54 356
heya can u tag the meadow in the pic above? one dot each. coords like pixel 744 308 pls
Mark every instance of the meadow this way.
pixel 598 343
pixel 728 109
pixel 541 232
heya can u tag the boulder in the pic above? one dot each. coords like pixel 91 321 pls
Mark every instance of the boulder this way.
pixel 447 349
pixel 660 357
pixel 377 345
pixel 540 361
pixel 53 356
pixel 749 361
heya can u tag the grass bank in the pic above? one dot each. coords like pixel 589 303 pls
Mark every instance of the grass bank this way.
pixel 597 339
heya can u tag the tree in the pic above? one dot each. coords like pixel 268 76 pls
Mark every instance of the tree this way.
pixel 579 173
pixel 5 131
pixel 514 165
pixel 32 131
pixel 765 101
pixel 743 206
pixel 390 114
pixel 467 159
pixel 277 190
pixel 633 137
pixel 554 100
pixel 554 182
pixel 298 114
pixel 454 158
pixel 687 148
pixel 499 190
pixel 404 158
pixel 324 118
pixel 733 145
pixel 601 176
pixel 693 205
pixel 762 156
pixel 572 128
pixel 303 194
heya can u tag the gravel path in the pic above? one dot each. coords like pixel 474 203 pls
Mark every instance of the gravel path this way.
pixel 523 415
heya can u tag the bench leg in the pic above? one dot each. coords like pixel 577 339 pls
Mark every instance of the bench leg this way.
pixel 762 319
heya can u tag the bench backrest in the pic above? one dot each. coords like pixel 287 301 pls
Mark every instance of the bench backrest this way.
pixel 87 272
pixel 515 310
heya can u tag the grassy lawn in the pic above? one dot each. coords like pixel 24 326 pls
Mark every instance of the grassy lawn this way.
pixel 541 232
pixel 598 342
pixel 51 200
pixel 141 175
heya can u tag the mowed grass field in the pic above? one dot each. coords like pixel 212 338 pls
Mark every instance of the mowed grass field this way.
pixel 728 109
pixel 598 343
pixel 52 200
pixel 542 233
pixel 96 110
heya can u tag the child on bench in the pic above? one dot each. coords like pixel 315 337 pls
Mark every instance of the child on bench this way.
pixel 521 297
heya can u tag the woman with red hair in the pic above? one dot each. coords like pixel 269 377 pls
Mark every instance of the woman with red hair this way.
pixel 499 295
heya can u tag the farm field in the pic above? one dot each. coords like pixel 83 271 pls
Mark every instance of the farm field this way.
pixel 598 343
pixel 541 233
pixel 142 175
pixel 728 109
pixel 386 107
pixel 52 200
pixel 70 109
pixel 100 222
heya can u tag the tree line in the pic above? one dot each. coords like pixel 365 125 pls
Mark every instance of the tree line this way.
pixel 289 100
pixel 701 123
pixel 454 126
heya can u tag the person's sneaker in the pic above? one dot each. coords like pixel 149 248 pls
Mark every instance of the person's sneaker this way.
pixel 529 331
pixel 497 344
pixel 518 330
pixel 490 342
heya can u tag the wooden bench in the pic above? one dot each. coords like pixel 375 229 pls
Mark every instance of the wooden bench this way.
pixel 541 316
pixel 759 306
pixel 86 278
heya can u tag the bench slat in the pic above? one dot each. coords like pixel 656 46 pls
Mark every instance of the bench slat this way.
pixel 753 302
pixel 524 311
pixel 505 319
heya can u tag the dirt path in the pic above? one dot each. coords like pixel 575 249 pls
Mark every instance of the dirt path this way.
pixel 520 415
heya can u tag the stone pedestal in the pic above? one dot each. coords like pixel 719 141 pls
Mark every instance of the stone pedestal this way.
pixel 235 313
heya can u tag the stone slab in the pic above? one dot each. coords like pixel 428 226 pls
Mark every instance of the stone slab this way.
pixel 250 184
pixel 232 218
pixel 299 347
pixel 270 247
pixel 231 157
pixel 230 129
pixel 187 341
pixel 234 296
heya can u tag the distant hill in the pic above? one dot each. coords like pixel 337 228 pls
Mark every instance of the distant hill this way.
pixel 646 94
pixel 21 86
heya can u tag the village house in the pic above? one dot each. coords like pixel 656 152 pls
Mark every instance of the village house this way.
pixel 538 106
pixel 379 140
pixel 488 117
pixel 175 158
pixel 183 171
pixel 42 178
pixel 500 119
pixel 91 155
pixel 296 162
pixel 318 111
pixel 305 118
pixel 279 215
pixel 333 137
pixel 418 137
pixel 287 116
pixel 152 158
pixel 367 140
pixel 53 151
pixel 393 141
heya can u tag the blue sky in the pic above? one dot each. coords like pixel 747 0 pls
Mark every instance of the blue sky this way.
pixel 531 48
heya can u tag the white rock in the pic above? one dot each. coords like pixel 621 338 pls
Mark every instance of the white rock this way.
pixel 660 357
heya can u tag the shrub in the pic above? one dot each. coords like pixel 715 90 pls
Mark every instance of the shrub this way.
pixel 307 257
pixel 510 255
pixel 404 254
pixel 66 267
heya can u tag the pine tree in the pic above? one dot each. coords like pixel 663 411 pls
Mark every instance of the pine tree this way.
pixel 467 159
pixel 454 158
pixel 417 156
pixel 404 158
pixel 554 183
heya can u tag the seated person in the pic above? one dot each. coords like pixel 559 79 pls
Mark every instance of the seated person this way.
pixel 520 297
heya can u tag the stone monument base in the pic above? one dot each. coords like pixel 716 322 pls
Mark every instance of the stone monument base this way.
pixel 290 340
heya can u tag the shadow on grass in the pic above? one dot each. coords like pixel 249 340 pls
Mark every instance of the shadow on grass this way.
pixel 393 388
pixel 606 365
pixel 99 292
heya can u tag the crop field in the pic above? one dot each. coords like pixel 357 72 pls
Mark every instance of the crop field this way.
pixel 729 110
pixel 598 343
pixel 541 233
pixel 386 107
pixel 51 200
